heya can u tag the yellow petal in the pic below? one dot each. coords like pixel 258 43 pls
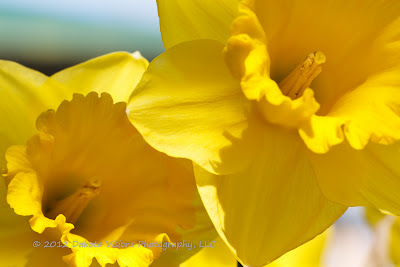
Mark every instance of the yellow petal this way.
pixel 24 94
pixel 16 237
pixel 188 105
pixel 371 111
pixel 25 194
pixel 368 177
pixel 373 216
pixel 246 55
pixel 17 161
pixel 368 110
pixel 320 133
pixel 45 256
pixel 203 232
pixel 9 218
pixel 273 206
pixel 16 249
pixel 187 20
pixel 216 254
pixel 82 256
pixel 115 73
pixel 307 255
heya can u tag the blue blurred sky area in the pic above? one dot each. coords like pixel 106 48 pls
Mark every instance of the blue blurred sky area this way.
pixel 69 31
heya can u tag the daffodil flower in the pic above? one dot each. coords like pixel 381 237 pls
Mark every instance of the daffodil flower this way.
pixel 290 110
pixel 91 186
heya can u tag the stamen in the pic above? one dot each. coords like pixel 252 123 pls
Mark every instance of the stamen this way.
pixel 302 76
pixel 73 206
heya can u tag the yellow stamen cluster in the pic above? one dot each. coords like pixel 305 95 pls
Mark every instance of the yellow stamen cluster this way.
pixel 73 206
pixel 302 76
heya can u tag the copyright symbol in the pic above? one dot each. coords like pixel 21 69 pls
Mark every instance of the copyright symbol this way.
pixel 36 244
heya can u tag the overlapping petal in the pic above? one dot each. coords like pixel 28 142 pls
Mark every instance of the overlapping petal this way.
pixel 273 206
pixel 372 111
pixel 16 237
pixel 247 57
pixel 116 73
pixel 188 105
pixel 217 254
pixel 360 177
pixel 187 20
pixel 320 133
pixel 202 234
pixel 310 254
pixel 24 94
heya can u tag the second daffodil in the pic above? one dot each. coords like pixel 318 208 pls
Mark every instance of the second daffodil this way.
pixel 290 110
pixel 91 186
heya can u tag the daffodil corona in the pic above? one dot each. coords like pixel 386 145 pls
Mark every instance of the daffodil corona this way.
pixel 290 110
pixel 77 173
pixel 92 187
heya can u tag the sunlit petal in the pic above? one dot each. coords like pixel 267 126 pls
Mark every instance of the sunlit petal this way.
pixel 24 94
pixel 115 73
pixel 187 20
pixel 273 206
pixel 197 107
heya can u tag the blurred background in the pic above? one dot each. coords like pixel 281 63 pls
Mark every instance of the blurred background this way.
pixel 50 35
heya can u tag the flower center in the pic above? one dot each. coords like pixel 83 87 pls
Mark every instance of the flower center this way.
pixel 73 206
pixel 88 145
pixel 302 76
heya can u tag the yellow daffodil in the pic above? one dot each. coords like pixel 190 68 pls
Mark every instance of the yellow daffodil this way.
pixel 290 110
pixel 91 186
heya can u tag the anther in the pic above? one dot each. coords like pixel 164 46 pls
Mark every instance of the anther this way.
pixel 303 75
pixel 73 206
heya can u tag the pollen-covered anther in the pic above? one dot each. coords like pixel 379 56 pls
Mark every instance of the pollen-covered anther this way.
pixel 73 206
pixel 302 76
